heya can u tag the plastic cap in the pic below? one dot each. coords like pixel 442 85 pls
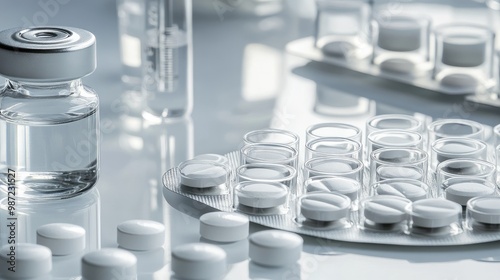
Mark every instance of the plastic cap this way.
pixel 31 260
pixel 224 226
pixel 110 263
pixel 199 261
pixel 275 248
pixel 47 53
pixel 140 235
pixel 62 239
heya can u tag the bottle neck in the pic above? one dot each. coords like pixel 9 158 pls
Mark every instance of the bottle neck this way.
pixel 41 89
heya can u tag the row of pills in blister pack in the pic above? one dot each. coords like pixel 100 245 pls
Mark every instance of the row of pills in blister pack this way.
pixel 59 252
pixel 462 56
pixel 396 161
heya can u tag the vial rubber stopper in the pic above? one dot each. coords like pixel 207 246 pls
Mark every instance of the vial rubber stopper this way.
pixel 140 235
pixel 109 263
pixel 275 248
pixel 224 226
pixel 61 238
pixel 31 260
pixel 197 261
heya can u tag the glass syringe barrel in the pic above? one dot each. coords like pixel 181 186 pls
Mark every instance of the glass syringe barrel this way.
pixel 167 74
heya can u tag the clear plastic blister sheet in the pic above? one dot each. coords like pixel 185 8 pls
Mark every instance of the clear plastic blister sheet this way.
pixel 171 181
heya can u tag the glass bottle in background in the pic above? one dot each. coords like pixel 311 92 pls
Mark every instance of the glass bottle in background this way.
pixel 131 26
pixel 167 81
pixel 49 120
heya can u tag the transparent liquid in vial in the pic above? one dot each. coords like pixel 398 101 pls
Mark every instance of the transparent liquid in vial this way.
pixel 50 158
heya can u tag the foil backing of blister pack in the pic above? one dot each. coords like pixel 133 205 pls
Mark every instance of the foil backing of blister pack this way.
pixel 287 222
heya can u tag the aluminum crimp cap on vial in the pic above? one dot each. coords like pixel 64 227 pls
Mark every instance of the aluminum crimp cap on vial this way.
pixel 49 54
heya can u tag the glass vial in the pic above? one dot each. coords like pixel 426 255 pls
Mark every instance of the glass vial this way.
pixel 49 121
pixel 167 82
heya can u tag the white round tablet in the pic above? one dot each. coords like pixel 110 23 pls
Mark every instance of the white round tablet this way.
pixel 459 80
pixel 261 195
pixel 29 260
pixel 275 248
pixel 325 207
pixel 224 226
pixel 202 174
pixel 386 172
pixel 333 167
pixel 454 150
pixel 265 173
pixel 109 263
pixel 463 191
pixel 407 189
pixel 435 213
pixel 346 186
pixel 199 261
pixel 140 235
pixel 485 209
pixel 62 239
pixel 385 209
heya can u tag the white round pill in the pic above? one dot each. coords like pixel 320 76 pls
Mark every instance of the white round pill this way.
pixel 62 239
pixel 333 167
pixel 224 226
pixel 346 186
pixel 264 173
pixel 199 174
pixel 275 248
pixel 199 261
pixel 394 155
pixel 325 207
pixel 28 261
pixel 385 172
pixel 262 195
pixel 485 209
pixel 109 263
pixel 385 209
pixel 457 150
pixel 435 213
pixel 409 190
pixel 464 51
pixel 140 235
pixel 459 80
pixel 462 192
pixel 212 157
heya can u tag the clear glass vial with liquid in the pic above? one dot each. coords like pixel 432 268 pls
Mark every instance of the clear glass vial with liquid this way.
pixel 167 81
pixel 49 121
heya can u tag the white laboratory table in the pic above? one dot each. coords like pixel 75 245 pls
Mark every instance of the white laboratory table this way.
pixel 244 81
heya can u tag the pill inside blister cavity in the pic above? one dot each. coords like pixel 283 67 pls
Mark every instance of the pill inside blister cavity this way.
pixel 324 206
pixel 346 186
pixel 391 172
pixel 104 264
pixel 266 172
pixel 411 189
pixel 384 213
pixel 435 216
pixel 263 198
pixel 460 190
pixel 212 157
pixel 202 174
pixel 334 166
pixel 275 248
pixel 197 261
pixel 483 213
pixel 224 226
pixel 452 148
